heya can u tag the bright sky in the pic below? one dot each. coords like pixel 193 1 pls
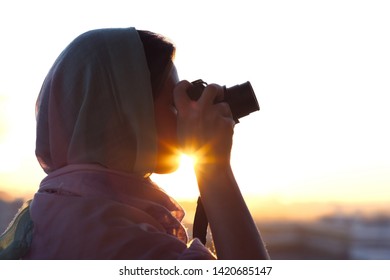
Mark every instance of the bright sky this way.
pixel 320 70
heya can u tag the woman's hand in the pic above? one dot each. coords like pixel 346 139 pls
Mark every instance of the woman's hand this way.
pixel 204 128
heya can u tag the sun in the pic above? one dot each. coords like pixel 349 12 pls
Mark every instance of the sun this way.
pixel 187 161
pixel 181 184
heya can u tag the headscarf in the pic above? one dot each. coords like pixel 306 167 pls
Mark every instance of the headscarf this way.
pixel 96 105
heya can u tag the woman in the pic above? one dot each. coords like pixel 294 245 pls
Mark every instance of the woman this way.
pixel 112 111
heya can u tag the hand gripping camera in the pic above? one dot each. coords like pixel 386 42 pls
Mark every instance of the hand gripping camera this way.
pixel 242 101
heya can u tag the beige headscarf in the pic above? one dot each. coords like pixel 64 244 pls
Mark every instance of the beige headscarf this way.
pixel 96 105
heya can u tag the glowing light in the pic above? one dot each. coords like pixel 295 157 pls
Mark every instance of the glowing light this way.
pixel 187 161
pixel 10 162
pixel 181 184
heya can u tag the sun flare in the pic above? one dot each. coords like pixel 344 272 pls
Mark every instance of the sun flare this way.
pixel 181 184
pixel 187 161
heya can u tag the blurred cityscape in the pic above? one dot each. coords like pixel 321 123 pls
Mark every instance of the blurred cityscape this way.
pixel 332 237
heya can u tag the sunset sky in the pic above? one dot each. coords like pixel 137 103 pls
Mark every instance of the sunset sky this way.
pixel 320 70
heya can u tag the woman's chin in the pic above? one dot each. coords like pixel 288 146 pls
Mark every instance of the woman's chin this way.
pixel 165 169
pixel 168 165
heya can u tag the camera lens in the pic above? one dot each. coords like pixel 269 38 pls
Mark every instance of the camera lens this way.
pixel 241 98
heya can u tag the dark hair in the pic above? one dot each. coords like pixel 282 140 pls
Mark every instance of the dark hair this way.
pixel 159 52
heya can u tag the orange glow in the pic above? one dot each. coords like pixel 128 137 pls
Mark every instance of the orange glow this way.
pixel 181 184
pixel 187 161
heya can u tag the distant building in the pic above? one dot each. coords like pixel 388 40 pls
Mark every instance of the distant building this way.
pixel 333 237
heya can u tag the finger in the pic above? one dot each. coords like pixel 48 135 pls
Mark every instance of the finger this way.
pixel 211 93
pixel 231 123
pixel 224 109
pixel 180 96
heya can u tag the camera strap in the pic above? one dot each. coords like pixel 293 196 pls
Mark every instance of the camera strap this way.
pixel 199 229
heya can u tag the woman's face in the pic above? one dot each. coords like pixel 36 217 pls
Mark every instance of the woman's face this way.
pixel 166 124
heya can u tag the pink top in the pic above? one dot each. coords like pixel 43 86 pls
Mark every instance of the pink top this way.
pixel 90 212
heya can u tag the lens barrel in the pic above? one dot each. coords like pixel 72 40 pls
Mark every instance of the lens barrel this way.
pixel 241 98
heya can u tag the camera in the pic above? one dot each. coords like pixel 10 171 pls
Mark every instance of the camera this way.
pixel 241 98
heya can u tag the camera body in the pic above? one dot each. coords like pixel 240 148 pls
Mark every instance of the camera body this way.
pixel 241 98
